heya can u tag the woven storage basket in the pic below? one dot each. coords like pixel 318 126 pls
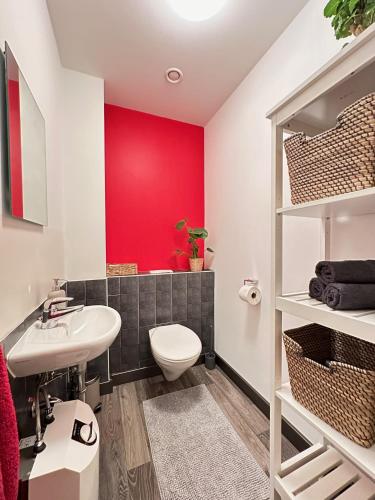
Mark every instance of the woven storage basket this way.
pixel 340 160
pixel 333 375
pixel 121 269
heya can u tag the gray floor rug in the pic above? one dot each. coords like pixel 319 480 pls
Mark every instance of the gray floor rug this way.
pixel 196 452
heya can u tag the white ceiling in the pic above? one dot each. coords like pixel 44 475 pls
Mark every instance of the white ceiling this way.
pixel 130 43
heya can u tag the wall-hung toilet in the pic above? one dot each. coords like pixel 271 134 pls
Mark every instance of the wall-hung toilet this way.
pixel 175 349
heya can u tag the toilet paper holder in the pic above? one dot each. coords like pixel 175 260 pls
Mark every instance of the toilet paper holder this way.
pixel 249 292
pixel 250 281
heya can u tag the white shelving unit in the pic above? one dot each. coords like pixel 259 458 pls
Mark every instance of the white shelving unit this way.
pixel 345 78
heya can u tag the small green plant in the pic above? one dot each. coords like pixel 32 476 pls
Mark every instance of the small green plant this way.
pixel 194 234
pixel 350 17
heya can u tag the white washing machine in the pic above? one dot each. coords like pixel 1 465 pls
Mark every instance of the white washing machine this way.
pixel 68 468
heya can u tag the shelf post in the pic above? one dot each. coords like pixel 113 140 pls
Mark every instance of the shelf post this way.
pixel 325 239
pixel 276 289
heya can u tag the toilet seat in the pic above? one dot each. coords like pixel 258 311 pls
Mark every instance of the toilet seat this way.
pixel 174 343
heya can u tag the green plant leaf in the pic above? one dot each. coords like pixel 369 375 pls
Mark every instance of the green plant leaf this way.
pixel 344 29
pixel 198 233
pixel 369 14
pixel 209 250
pixel 370 9
pixel 331 8
pixel 349 15
pixel 353 5
pixel 180 224
pixel 341 24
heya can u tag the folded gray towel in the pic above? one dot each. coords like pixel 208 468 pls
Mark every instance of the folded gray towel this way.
pixel 316 288
pixel 349 296
pixel 346 271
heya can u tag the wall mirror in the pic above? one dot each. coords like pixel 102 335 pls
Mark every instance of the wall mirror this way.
pixel 26 147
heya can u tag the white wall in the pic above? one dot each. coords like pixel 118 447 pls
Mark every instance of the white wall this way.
pixel 83 160
pixel 238 203
pixel 30 255
pixel 73 244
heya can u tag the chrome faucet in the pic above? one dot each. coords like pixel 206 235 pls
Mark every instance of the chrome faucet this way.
pixel 50 310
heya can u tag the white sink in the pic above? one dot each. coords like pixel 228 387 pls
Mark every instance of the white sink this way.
pixel 76 339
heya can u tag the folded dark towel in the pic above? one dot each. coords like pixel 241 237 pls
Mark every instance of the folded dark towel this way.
pixel 316 288
pixel 349 296
pixel 346 271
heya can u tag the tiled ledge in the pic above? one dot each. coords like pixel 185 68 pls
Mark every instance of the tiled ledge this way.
pixel 147 273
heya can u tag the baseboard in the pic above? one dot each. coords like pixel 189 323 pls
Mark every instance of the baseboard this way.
pixel 288 430
pixel 106 387
pixel 134 375
pixel 141 373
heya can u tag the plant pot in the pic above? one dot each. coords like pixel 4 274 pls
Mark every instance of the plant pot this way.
pixel 208 260
pixel 196 265
pixel 356 29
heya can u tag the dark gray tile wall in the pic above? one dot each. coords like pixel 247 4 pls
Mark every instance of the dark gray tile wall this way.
pixel 207 320
pixel 147 301
pixel 179 297
pixel 91 293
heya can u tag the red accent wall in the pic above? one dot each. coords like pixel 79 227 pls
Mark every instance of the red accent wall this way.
pixel 154 177
pixel 15 156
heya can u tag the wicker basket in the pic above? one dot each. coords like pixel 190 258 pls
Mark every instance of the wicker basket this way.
pixel 340 160
pixel 121 269
pixel 333 375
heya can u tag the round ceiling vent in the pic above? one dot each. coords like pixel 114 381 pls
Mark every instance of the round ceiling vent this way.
pixel 174 75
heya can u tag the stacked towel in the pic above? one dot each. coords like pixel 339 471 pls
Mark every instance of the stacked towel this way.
pixel 9 455
pixel 345 296
pixel 346 271
pixel 316 288
pixel 345 285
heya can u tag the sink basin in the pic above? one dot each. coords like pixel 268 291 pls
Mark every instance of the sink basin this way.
pixel 76 339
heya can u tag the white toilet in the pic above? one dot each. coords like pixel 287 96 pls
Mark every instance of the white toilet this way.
pixel 175 349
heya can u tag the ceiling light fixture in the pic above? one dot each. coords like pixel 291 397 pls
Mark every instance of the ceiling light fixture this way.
pixel 174 75
pixel 196 10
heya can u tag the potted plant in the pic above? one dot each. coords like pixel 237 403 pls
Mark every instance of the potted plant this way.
pixel 350 17
pixel 194 234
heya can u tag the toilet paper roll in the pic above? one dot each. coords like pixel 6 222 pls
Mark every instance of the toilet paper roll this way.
pixel 250 294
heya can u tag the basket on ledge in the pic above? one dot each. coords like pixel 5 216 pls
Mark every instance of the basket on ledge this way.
pixel 337 161
pixel 333 375
pixel 121 269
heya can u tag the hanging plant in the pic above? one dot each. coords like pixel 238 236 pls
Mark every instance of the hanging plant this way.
pixel 350 17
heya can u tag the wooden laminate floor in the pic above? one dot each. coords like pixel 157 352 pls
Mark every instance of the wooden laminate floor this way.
pixel 126 468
